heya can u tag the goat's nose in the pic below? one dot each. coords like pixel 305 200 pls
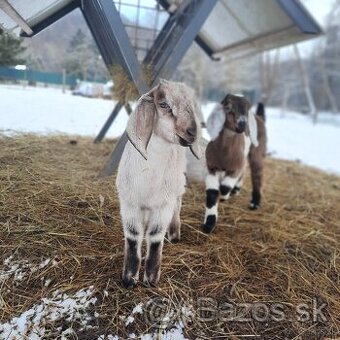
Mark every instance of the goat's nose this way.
pixel 241 124
pixel 192 130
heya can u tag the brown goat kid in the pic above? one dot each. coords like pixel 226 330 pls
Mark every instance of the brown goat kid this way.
pixel 243 135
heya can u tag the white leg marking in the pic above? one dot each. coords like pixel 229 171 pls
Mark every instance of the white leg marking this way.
pixel 230 183
pixel 247 143
pixel 211 211
pixel 212 182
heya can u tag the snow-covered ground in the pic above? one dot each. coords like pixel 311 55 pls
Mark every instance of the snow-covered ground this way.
pixel 46 110
pixel 74 310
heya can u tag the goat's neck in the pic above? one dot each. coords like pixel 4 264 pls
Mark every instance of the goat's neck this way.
pixel 228 133
pixel 158 146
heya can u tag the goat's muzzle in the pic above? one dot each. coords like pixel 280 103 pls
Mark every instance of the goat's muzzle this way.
pixel 184 141
pixel 241 126
pixel 189 137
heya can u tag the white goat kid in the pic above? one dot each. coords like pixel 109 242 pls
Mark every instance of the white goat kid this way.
pixel 151 178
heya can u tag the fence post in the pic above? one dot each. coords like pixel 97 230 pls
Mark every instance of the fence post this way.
pixel 64 80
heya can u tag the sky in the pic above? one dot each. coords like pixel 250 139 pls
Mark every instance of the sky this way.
pixel 320 10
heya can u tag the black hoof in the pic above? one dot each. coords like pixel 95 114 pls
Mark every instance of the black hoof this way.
pixel 172 238
pixel 150 283
pixel 210 224
pixel 235 191
pixel 254 206
pixel 129 282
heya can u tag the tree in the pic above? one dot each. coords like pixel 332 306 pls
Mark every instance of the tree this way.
pixel 306 84
pixel 269 65
pixel 80 56
pixel 10 49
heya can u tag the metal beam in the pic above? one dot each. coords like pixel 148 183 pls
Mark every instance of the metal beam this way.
pixel 155 53
pixel 52 18
pixel 114 45
pixel 200 42
pixel 300 16
pixel 110 120
pixel 112 39
pixel 113 161
pixel 150 59
pixel 167 52
pixel 188 23
pixel 15 16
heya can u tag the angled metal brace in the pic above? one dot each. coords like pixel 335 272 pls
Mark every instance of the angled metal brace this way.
pixel 15 16
pixel 112 39
pixel 159 51
pixel 167 52
pixel 51 19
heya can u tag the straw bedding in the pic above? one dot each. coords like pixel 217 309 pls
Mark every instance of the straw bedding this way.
pixel 53 207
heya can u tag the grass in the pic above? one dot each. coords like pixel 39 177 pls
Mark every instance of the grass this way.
pixel 287 253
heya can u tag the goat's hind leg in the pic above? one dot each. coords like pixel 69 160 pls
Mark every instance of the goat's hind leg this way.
pixel 133 232
pixel 174 230
pixel 238 186
pixel 256 167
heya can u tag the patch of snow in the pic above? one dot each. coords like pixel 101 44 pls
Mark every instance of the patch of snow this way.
pixel 175 333
pixel 108 337
pixel 291 136
pixel 295 137
pixel 138 309
pixel 47 282
pixel 32 323
pixel 17 270
pixel 130 319
pixel 48 110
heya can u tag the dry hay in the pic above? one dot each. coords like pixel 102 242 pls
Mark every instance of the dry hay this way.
pixel 288 252
pixel 124 89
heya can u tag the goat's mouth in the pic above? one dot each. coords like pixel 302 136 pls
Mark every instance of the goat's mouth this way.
pixel 183 141
pixel 240 129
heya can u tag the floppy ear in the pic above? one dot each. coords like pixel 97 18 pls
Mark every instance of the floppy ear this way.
pixel 225 99
pixel 141 121
pixel 196 147
pixel 252 128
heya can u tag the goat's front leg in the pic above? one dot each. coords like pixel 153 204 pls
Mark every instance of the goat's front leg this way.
pixel 212 193
pixel 133 232
pixel 227 185
pixel 174 231
pixel 158 224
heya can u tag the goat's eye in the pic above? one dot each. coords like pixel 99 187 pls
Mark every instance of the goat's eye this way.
pixel 164 105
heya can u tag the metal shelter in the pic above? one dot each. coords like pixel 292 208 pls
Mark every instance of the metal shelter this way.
pixel 220 27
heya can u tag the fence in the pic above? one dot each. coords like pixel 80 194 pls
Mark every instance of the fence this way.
pixel 32 76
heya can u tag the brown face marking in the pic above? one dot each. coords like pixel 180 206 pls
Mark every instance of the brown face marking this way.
pixel 234 107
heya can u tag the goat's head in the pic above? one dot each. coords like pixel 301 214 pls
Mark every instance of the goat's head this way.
pixel 239 117
pixel 171 112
